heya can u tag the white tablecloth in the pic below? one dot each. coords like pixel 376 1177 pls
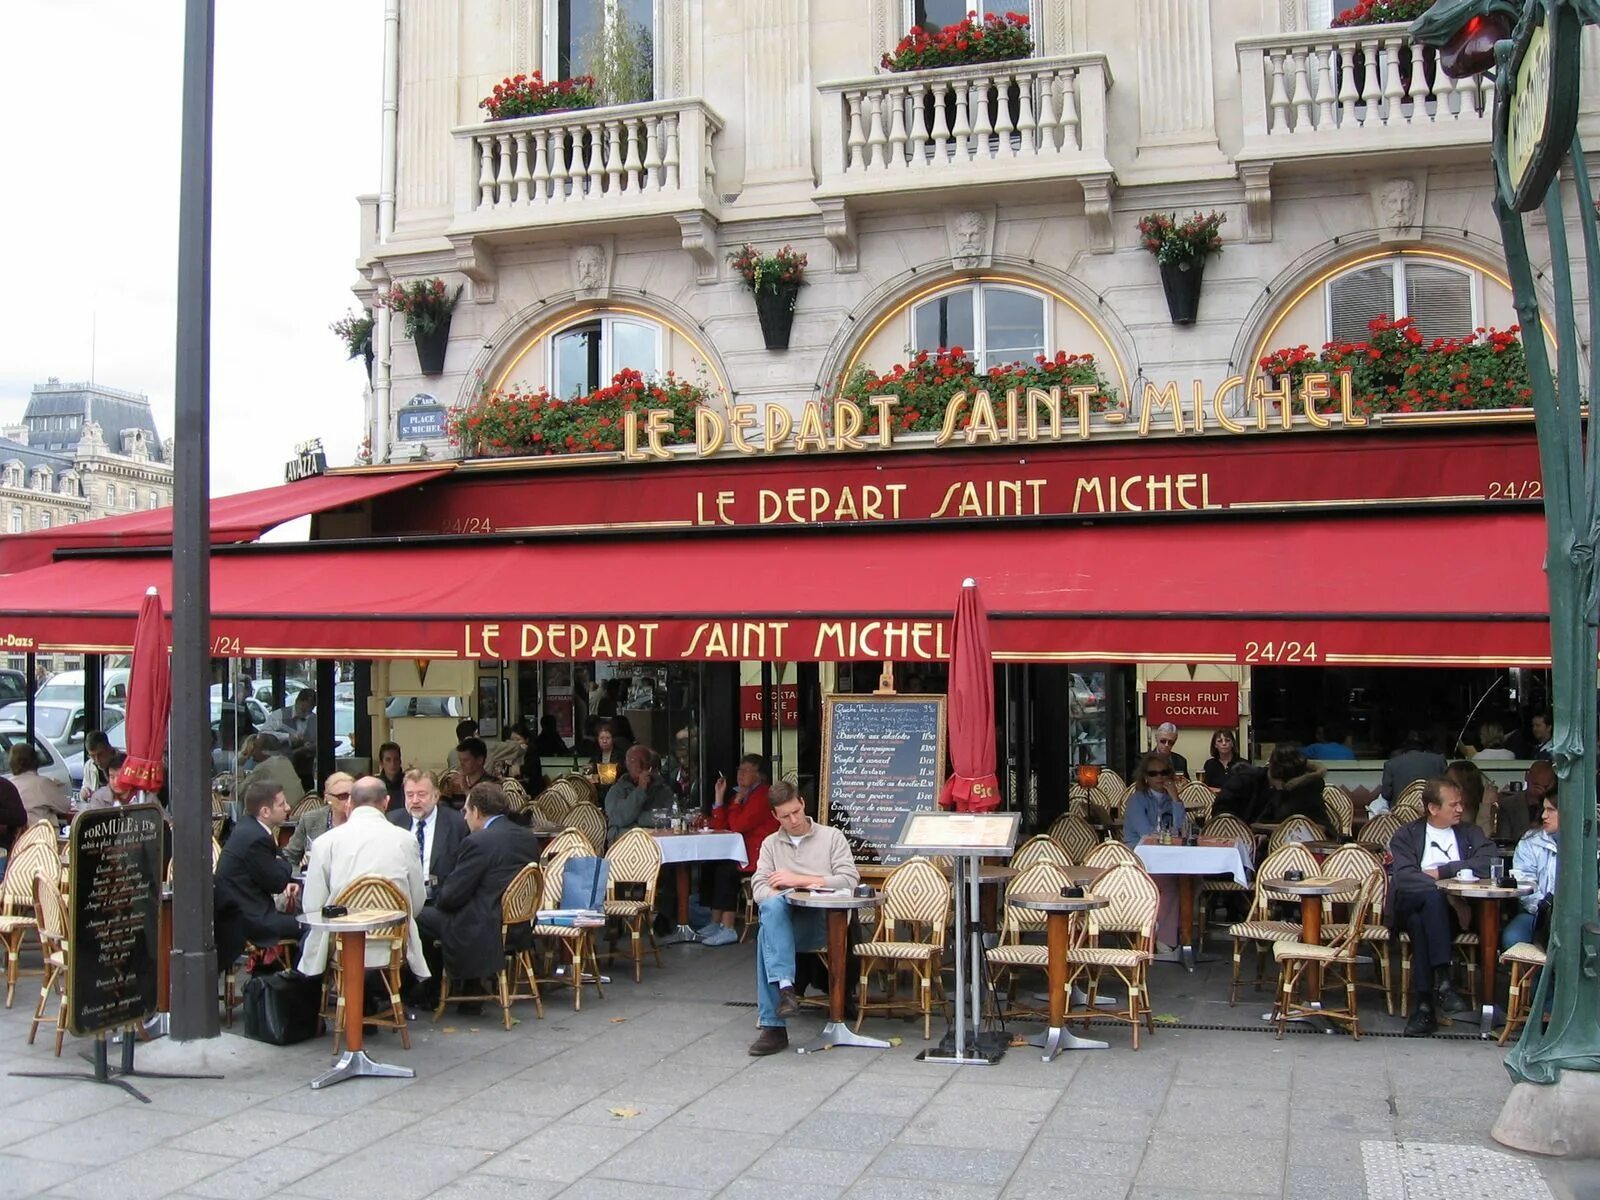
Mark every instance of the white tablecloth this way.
pixel 701 847
pixel 1194 860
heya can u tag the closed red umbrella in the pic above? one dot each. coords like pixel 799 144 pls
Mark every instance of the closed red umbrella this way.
pixel 973 787
pixel 149 700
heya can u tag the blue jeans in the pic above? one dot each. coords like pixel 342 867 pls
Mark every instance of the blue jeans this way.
pixel 784 931
pixel 1518 929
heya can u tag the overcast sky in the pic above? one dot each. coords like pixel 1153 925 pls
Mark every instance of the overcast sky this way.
pixel 89 208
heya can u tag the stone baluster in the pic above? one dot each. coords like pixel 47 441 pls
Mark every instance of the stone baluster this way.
pixel 1071 135
pixel 940 135
pixel 983 122
pixel 961 131
pixel 1278 95
pixel 1326 115
pixel 670 161
pixel 595 168
pixel 1348 95
pixel 504 172
pixel 1394 90
pixel 633 163
pixel 563 147
pixel 896 100
pixel 1048 125
pixel 1371 81
pixel 652 154
pixel 919 125
pixel 613 183
pixel 1302 94
pixel 857 139
pixel 521 176
pixel 1004 123
pixel 541 165
pixel 485 170
pixel 876 137
pixel 1027 130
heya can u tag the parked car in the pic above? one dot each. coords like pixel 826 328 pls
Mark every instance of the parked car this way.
pixel 64 724
pixel 68 686
pixel 51 764
pixel 13 685
pixel 252 708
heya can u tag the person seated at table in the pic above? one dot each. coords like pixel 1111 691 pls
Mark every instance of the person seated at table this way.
pixel 294 725
pixel 1491 744
pixel 1435 846
pixel 609 750
pixel 112 794
pixel 250 873
pixel 473 755
pixel 13 817
pixel 98 753
pixel 1294 787
pixel 635 799
pixel 549 743
pixel 799 853
pixel 523 763
pixel 438 829
pixel 392 770
pixel 1480 800
pixel 259 762
pixel 320 818
pixel 463 922
pixel 1166 737
pixel 1154 806
pixel 1534 859
pixel 42 797
pixel 1332 744
pixel 1224 754
pixel 746 813
pixel 366 844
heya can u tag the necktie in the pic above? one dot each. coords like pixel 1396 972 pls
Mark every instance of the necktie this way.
pixel 422 842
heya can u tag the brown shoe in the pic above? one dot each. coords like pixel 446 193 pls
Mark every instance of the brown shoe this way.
pixel 788 1002
pixel 773 1039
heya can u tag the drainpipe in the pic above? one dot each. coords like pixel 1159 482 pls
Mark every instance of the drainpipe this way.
pixel 382 334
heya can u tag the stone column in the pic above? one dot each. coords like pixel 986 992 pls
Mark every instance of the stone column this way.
pixel 778 95
pixel 1177 103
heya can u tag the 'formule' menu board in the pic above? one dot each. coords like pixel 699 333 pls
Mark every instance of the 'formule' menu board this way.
pixel 882 759
pixel 115 917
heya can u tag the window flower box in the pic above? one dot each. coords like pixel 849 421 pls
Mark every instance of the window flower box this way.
pixel 506 423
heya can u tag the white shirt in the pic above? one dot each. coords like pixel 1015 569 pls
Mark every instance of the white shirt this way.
pixel 430 826
pixel 1438 847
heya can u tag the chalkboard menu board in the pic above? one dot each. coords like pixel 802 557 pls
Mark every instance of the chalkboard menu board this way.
pixel 115 909
pixel 882 758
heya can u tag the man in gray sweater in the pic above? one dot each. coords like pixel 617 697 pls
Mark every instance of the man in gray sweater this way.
pixel 800 854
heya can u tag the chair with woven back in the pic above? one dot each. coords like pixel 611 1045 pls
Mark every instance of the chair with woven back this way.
pixel 589 821
pixel 1231 828
pixel 1015 952
pixel 1078 800
pixel 519 904
pixel 1294 830
pixel 1526 960
pixel 1341 812
pixel 1197 800
pixel 50 917
pixel 1037 849
pixel 516 796
pixel 1377 831
pixel 571 842
pixel 34 860
pixel 1130 919
pixel 1074 835
pixel 634 862
pixel 910 936
pixel 307 802
pixel 551 805
pixel 576 942
pixel 1259 925
pixel 580 788
pixel 1411 791
pixel 1111 854
pixel 373 892
pixel 41 832
pixel 1298 962
pixel 1356 861
pixel 1408 809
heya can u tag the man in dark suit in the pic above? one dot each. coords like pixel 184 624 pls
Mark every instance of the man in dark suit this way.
pixel 1438 845
pixel 439 829
pixel 464 917
pixel 250 873
pixel 1409 764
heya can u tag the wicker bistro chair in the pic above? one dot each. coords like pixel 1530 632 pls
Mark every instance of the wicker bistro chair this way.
pixel 1357 862
pixel 576 943
pixel 516 795
pixel 17 916
pixel 1078 801
pixel 1197 800
pixel 373 891
pixel 1411 791
pixel 1464 952
pixel 50 914
pixel 1015 953
pixel 635 861
pixel 1258 925
pixel 519 904
pixel 1112 854
pixel 1378 830
pixel 1299 962
pixel 307 802
pixel 569 842
pixel 1131 914
pixel 1295 829
pixel 551 805
pixel 1526 960
pixel 580 788
pixel 589 821
pixel 916 898
pixel 1041 848
pixel 1234 830
pixel 1340 810
pixel 1075 836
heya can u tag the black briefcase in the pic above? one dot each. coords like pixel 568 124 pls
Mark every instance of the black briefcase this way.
pixel 282 1008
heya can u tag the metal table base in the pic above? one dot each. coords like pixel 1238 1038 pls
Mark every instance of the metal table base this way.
pixel 353 1063
pixel 1056 1039
pixel 838 1033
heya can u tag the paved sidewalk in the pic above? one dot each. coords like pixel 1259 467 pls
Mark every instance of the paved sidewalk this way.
pixel 649 1093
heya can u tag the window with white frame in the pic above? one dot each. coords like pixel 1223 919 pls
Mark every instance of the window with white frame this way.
pixel 16 518
pixel 613 40
pixel 154 500
pixel 1320 13
pixel 994 323
pixel 1441 299
pixel 13 474
pixel 936 14
pixel 44 518
pixel 586 356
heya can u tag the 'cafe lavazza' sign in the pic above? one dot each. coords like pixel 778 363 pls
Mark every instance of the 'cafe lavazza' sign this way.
pixel 1016 416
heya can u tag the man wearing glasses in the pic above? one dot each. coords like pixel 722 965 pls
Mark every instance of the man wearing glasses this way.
pixel 1154 805
pixel 313 824
pixel 1166 739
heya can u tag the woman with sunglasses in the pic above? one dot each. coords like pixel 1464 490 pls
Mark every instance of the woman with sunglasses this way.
pixel 1154 805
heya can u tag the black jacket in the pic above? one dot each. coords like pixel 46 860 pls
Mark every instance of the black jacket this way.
pixel 470 899
pixel 249 874
pixel 448 836
pixel 1298 797
pixel 1470 848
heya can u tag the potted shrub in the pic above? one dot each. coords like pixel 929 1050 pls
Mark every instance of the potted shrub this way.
pixel 996 38
pixel 1181 251
pixel 427 305
pixel 355 329
pixel 531 96
pixel 776 280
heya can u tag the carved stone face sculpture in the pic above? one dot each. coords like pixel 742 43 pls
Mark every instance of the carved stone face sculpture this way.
pixel 969 229
pixel 590 266
pixel 1397 204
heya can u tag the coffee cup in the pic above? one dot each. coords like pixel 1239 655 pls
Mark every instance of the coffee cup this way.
pixel 1467 875
pixel 864 891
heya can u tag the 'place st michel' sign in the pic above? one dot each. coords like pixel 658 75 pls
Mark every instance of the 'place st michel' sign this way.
pixel 1536 113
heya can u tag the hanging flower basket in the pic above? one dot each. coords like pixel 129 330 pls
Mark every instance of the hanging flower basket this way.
pixel 1181 251
pixel 427 305
pixel 431 346
pixel 776 280
pixel 1181 283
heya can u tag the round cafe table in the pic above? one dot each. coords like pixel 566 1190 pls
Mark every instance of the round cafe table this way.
pixel 1488 898
pixel 352 930
pixel 1058 912
pixel 838 907
pixel 1311 893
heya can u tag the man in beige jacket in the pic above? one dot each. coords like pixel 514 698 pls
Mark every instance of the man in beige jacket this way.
pixel 366 844
pixel 800 854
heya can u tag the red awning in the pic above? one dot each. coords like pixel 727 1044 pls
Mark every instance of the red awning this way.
pixel 1463 589
pixel 240 518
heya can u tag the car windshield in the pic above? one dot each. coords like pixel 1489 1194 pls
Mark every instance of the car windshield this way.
pixel 60 691
pixel 47 722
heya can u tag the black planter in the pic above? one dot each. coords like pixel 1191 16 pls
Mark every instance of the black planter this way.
pixel 1181 282
pixel 367 357
pixel 775 310
pixel 431 348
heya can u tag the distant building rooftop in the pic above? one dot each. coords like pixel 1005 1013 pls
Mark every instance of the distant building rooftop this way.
pixel 57 412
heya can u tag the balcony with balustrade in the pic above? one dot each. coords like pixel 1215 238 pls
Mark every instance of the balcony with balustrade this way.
pixel 1034 121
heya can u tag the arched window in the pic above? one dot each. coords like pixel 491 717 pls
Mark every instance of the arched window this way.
pixel 996 324
pixel 1443 300
pixel 585 356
